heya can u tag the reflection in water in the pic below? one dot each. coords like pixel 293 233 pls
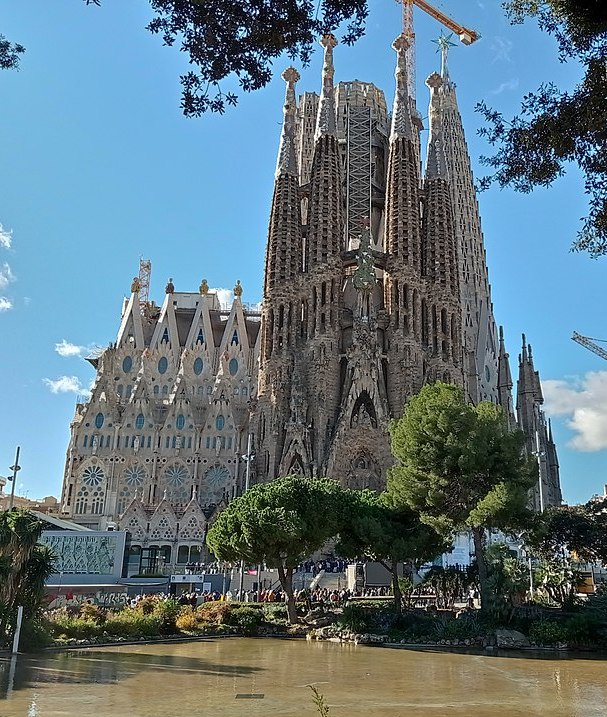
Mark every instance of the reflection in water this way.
pixel 268 677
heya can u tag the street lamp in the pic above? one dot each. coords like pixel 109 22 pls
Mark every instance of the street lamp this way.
pixel 15 468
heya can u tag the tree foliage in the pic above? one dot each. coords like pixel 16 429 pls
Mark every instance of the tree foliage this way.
pixel 460 467
pixel 279 523
pixel 25 565
pixel 579 529
pixel 556 128
pixel 240 38
pixel 9 54
pixel 388 533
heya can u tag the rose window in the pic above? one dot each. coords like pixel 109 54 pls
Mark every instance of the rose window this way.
pixel 134 476
pixel 176 476
pixel 216 481
pixel 93 476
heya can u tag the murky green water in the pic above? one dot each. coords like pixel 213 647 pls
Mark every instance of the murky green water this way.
pixel 230 678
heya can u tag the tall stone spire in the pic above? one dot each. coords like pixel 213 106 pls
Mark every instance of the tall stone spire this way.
pixel 480 330
pixel 402 186
pixel 442 323
pixel 402 126
pixel 403 284
pixel 504 383
pixel 532 422
pixel 325 123
pixel 284 260
pixel 287 163
pixel 326 205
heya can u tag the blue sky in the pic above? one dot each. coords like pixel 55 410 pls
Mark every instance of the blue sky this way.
pixel 98 167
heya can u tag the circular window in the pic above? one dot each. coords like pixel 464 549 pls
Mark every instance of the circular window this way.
pixel 140 421
pixel 134 476
pixel 216 481
pixel 180 422
pixel 233 367
pixel 163 364
pixel 93 476
pixel 127 364
pixel 176 476
pixel 198 366
pixel 220 422
pixel 99 420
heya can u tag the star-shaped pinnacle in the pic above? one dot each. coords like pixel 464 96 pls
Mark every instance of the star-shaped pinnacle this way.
pixel 445 43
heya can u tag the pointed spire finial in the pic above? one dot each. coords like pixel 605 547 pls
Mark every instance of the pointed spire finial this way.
pixel 287 163
pixel 501 331
pixel 402 125
pixel 445 43
pixel 325 124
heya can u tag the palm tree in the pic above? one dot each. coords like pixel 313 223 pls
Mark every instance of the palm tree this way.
pixel 24 565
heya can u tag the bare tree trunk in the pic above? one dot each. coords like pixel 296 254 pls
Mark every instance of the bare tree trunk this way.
pixel 285 576
pixel 478 534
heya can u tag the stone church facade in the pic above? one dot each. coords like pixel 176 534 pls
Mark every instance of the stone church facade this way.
pixel 375 284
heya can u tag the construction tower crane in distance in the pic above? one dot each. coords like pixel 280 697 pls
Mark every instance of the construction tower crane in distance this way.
pixel 590 344
pixel 465 34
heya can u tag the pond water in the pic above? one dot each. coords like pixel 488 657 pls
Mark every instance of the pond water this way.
pixel 249 677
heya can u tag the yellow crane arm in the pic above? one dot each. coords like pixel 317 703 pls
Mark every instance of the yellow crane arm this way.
pixel 466 35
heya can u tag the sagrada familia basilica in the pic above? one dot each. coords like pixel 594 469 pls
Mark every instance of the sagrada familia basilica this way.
pixel 375 284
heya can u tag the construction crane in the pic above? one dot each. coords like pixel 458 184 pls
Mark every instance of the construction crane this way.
pixel 145 272
pixel 590 344
pixel 465 34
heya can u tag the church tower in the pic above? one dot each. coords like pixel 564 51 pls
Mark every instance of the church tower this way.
pixel 538 432
pixel 479 328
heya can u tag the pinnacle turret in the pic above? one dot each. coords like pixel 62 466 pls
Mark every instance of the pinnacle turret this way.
pixel 325 123
pixel 436 166
pixel 287 162
pixel 504 382
pixel 402 125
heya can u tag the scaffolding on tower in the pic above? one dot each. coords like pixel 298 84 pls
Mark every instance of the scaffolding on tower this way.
pixel 145 273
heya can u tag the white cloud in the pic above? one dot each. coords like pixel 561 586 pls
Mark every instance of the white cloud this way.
pixel 65 348
pixel 5 304
pixel 66 384
pixel 501 49
pixel 6 276
pixel 508 85
pixel 6 238
pixel 225 296
pixel 584 402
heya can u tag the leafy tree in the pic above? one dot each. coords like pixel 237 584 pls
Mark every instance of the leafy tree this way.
pixel 579 529
pixel 554 127
pixel 389 534
pixel 279 523
pixel 241 38
pixel 25 565
pixel 460 467
pixel 9 54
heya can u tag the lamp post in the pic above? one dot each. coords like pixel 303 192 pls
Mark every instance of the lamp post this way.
pixel 248 458
pixel 15 468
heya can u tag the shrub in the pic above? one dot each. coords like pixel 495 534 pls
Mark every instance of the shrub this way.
pixel 356 618
pixel 130 623
pixel 167 612
pixel 583 628
pixel 275 612
pixel 189 621
pixel 35 635
pixel 78 628
pixel 247 618
pixel 547 632
pixel 91 612
pixel 215 612
pixel 466 627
